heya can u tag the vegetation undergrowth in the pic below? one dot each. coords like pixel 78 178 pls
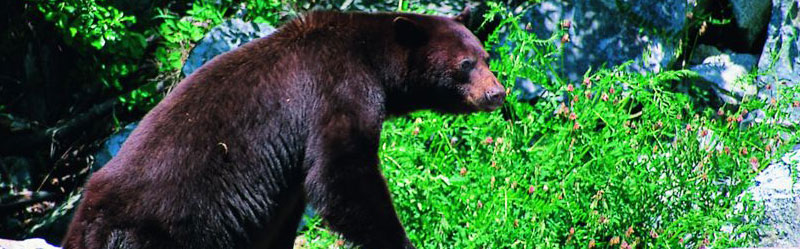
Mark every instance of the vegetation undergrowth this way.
pixel 626 161
pixel 97 27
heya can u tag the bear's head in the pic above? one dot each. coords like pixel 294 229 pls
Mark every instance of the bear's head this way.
pixel 447 66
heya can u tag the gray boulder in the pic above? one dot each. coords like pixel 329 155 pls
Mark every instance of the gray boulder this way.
pixel 752 16
pixel 528 90
pixel 781 54
pixel 723 73
pixel 778 187
pixel 794 116
pixel 533 93
pixel 612 32
pixel 26 244
pixel 228 35
pixel 111 146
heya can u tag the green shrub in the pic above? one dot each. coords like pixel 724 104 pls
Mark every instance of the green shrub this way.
pixel 99 30
pixel 94 28
pixel 645 166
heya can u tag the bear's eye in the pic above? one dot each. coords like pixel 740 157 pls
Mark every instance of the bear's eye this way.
pixel 467 65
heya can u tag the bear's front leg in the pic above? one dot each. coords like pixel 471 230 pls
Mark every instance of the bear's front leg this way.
pixel 345 185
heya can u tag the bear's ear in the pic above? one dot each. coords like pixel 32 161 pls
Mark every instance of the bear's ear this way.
pixel 408 32
pixel 463 18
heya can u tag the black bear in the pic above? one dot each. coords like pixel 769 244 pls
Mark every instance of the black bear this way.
pixel 232 155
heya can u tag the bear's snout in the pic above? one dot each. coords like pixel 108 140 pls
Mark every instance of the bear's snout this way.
pixel 493 95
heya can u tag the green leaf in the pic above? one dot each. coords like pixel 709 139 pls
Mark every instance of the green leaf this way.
pixel 99 43
pixel 49 16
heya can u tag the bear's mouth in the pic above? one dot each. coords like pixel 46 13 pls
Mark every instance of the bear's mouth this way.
pixel 490 105
pixel 483 104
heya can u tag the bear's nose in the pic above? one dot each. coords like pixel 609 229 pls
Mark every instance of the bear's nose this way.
pixel 495 93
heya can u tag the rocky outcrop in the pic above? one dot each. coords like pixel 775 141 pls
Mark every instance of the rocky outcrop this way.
pixel 608 33
pixel 613 32
pixel 752 17
pixel 26 244
pixel 230 34
pixel 780 58
pixel 777 187
pixel 724 72
pixel 111 146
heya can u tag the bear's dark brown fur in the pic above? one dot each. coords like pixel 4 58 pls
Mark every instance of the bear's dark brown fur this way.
pixel 230 157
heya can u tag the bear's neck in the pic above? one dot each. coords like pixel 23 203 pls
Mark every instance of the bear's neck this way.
pixel 364 44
